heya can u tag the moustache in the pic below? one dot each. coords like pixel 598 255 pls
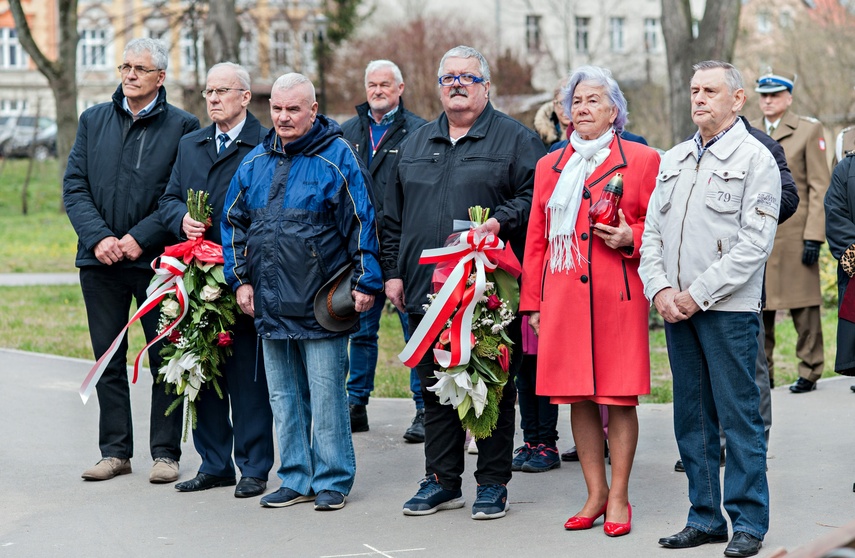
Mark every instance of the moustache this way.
pixel 458 91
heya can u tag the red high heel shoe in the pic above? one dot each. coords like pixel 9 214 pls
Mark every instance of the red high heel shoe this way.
pixel 579 523
pixel 613 529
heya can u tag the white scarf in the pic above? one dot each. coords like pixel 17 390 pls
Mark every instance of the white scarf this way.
pixel 563 207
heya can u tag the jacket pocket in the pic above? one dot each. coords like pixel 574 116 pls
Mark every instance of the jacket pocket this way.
pixel 724 190
pixel 666 180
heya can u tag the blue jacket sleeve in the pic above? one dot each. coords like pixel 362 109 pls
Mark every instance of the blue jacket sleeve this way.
pixel 234 226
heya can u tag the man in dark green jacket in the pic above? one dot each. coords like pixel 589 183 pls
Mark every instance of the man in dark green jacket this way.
pixel 118 168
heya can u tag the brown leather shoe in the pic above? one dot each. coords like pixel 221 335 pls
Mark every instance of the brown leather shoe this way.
pixel 163 471
pixel 107 468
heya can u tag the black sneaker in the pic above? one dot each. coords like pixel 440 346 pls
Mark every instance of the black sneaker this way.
pixel 358 418
pixel 328 500
pixel 491 502
pixel 415 434
pixel 285 497
pixel 521 455
pixel 432 497
pixel 543 458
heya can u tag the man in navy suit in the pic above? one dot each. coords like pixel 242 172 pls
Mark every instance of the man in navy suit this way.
pixel 207 160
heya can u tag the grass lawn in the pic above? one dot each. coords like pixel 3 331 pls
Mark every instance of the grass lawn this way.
pixel 52 319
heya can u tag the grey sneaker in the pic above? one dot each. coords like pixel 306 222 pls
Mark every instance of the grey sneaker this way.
pixel 107 468
pixel 163 471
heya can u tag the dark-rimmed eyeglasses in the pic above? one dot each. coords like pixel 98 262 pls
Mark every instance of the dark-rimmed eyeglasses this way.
pixel 125 69
pixel 220 91
pixel 463 79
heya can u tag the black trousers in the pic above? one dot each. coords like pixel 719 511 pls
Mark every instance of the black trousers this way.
pixel 444 434
pixel 538 417
pixel 242 418
pixel 107 293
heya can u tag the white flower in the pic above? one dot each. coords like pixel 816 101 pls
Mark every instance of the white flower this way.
pixel 452 388
pixel 170 308
pixel 176 366
pixel 479 396
pixel 210 294
pixel 496 328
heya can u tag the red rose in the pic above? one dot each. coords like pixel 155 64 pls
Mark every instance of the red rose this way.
pixel 174 337
pixel 445 337
pixel 224 339
pixel 438 347
pixel 493 302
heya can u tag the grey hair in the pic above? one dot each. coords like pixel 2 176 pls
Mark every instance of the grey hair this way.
pixel 732 76
pixel 381 64
pixel 157 50
pixel 292 80
pixel 463 51
pixel 240 73
pixel 603 78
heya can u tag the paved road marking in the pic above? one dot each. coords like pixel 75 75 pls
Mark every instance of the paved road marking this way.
pixel 375 552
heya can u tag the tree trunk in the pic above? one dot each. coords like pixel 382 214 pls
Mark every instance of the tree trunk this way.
pixel 61 73
pixel 222 33
pixel 715 41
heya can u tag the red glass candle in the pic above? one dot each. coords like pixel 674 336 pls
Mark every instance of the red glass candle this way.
pixel 605 211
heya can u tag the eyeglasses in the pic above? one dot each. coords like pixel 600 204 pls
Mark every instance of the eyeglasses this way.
pixel 463 79
pixel 220 91
pixel 125 69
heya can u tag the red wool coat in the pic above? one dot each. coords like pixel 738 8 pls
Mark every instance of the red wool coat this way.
pixel 593 320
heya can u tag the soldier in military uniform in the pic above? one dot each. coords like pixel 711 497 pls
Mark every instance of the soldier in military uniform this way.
pixel 792 272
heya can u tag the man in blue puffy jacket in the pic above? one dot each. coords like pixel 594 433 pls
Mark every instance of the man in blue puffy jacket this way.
pixel 298 210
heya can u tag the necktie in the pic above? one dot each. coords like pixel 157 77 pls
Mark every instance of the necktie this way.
pixel 771 130
pixel 224 139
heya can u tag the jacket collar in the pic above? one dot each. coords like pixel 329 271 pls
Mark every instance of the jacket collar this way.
pixel 722 149
pixel 477 131
pixel 616 160
pixel 159 105
pixel 787 126
pixel 362 111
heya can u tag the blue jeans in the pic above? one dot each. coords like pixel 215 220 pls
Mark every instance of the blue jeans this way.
pixel 305 378
pixel 363 356
pixel 713 362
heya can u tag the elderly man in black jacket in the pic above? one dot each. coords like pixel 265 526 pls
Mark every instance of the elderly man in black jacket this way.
pixel 118 168
pixel 470 155
pixel 207 160
pixel 377 131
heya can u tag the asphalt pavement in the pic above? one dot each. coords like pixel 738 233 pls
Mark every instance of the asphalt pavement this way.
pixel 49 437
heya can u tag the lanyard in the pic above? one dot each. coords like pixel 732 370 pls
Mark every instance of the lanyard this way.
pixel 374 144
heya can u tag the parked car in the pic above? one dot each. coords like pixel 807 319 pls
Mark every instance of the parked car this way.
pixel 23 136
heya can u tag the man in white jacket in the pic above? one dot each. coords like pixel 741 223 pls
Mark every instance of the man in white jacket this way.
pixel 710 228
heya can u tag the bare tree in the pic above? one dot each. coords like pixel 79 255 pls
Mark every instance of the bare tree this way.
pixel 222 33
pixel 415 46
pixel 715 40
pixel 60 73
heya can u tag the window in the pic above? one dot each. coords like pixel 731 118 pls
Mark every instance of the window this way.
pixel 651 35
pixel 280 48
pixel 764 22
pixel 582 27
pixel 786 19
pixel 248 49
pixel 92 49
pixel 616 33
pixel 12 55
pixel 12 107
pixel 189 49
pixel 532 33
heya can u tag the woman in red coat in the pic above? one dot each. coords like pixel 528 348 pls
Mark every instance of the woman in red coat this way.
pixel 583 294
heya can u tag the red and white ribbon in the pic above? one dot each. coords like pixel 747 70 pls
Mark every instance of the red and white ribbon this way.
pixel 471 249
pixel 169 273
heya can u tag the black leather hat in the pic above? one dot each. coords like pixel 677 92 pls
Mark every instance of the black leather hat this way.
pixel 335 308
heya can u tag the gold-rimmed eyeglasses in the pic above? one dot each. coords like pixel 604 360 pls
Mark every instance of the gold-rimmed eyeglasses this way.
pixel 125 69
